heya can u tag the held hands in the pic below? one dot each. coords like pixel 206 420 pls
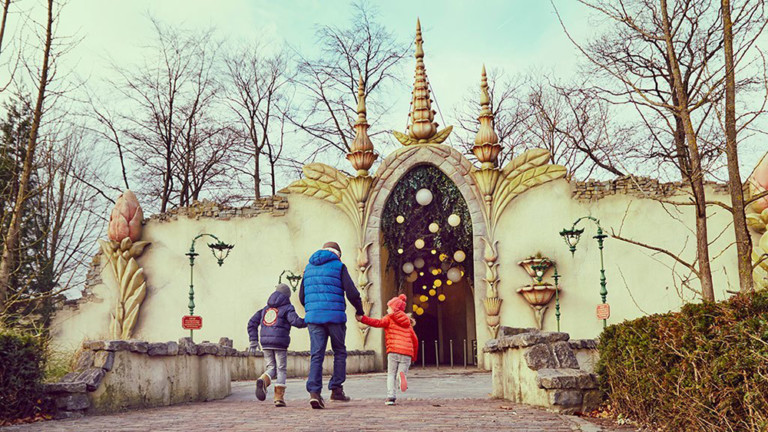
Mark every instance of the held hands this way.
pixel 359 318
pixel 255 347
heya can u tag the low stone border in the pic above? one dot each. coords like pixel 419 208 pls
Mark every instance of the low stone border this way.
pixel 74 393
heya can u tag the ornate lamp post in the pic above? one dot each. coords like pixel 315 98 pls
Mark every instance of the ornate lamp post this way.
pixel 540 268
pixel 293 279
pixel 220 251
pixel 572 236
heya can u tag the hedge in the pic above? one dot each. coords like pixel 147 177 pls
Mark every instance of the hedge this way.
pixel 704 368
pixel 22 362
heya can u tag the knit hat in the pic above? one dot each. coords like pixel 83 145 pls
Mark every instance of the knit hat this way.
pixel 397 303
pixel 333 245
pixel 283 288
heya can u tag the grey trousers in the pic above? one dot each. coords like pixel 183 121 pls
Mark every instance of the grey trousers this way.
pixel 276 365
pixel 396 363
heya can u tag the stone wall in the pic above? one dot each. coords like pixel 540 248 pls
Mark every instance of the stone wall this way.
pixel 540 368
pixel 111 376
pixel 641 187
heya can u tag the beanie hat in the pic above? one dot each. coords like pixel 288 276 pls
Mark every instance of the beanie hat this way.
pixel 333 245
pixel 397 303
pixel 283 288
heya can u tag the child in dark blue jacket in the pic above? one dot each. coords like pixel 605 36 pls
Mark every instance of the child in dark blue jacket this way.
pixel 275 320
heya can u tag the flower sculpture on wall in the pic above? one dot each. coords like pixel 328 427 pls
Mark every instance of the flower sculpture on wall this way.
pixel 121 250
pixel 757 219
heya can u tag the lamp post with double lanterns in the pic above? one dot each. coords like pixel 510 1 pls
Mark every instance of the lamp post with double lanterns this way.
pixel 572 237
pixel 220 251
pixel 293 279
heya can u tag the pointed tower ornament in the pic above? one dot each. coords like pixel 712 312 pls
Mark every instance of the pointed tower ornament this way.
pixel 361 153
pixel 422 128
pixel 487 147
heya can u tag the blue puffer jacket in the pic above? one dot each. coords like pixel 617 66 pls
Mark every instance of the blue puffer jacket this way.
pixel 323 289
pixel 275 321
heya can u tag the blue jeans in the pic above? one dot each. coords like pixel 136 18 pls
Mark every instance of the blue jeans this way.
pixel 318 338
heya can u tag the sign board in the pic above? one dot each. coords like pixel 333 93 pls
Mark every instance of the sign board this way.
pixel 191 322
pixel 603 311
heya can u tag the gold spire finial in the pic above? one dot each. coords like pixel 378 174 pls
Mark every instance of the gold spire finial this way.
pixel 422 125
pixel 487 147
pixel 361 153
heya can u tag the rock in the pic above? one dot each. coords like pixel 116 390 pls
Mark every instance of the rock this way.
pixel 589 344
pixel 511 331
pixel 104 360
pixel 566 379
pixel 491 345
pixel 92 378
pixel 138 346
pixel 84 360
pixel 539 357
pixel 70 377
pixel 530 339
pixel 591 400
pixel 65 387
pixel 73 402
pixel 107 345
pixel 187 346
pixel 566 398
pixel 227 342
pixel 207 348
pixel 157 349
pixel 173 348
pixel 564 356
pixel 229 351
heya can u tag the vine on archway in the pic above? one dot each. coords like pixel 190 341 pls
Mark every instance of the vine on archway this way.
pixel 429 258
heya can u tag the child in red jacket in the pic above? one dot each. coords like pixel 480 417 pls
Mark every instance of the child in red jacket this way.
pixel 402 343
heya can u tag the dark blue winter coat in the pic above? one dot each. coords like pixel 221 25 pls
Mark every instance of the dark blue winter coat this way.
pixel 325 282
pixel 275 321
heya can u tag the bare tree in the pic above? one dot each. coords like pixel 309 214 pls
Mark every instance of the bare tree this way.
pixel 12 235
pixel 363 48
pixel 257 86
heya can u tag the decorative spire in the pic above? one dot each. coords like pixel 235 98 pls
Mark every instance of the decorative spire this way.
pixel 361 153
pixel 487 147
pixel 422 125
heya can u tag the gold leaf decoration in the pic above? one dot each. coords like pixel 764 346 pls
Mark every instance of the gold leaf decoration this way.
pixel 404 139
pixel 441 135
pixel 132 286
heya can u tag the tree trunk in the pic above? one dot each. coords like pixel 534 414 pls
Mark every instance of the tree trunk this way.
pixel 743 239
pixel 11 241
pixel 697 177
pixel 6 6
pixel 257 174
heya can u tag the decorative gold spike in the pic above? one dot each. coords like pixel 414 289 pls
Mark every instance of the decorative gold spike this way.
pixel 487 147
pixel 361 153
pixel 422 116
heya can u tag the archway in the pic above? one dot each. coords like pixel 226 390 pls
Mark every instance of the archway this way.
pixel 427 233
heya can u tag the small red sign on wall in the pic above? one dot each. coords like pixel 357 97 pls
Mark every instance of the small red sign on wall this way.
pixel 191 322
pixel 603 311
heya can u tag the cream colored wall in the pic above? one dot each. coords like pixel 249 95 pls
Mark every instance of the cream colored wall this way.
pixel 226 297
pixel 639 282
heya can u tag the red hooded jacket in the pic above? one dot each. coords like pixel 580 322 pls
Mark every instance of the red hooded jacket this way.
pixel 398 333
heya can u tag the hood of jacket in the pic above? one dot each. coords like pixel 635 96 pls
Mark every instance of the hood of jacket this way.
pixel 321 257
pixel 278 299
pixel 400 318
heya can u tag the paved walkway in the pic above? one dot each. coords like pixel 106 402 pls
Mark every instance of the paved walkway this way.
pixel 444 400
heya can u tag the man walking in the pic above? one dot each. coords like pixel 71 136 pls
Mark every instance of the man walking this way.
pixel 326 280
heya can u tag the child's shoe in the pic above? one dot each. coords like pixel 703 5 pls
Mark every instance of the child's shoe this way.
pixel 390 401
pixel 261 386
pixel 403 382
pixel 279 395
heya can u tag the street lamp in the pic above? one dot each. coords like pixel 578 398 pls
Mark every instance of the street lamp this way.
pixel 539 269
pixel 220 251
pixel 293 279
pixel 572 236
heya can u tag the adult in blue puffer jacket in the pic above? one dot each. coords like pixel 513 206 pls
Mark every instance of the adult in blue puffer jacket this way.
pixel 275 321
pixel 325 283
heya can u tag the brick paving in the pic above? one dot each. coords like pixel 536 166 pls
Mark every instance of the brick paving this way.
pixel 421 411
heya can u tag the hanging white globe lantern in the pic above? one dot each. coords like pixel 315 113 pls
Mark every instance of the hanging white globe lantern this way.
pixel 419 243
pixel 408 268
pixel 400 219
pixel 434 227
pixel 459 256
pixel 419 263
pixel 454 220
pixel 424 197
pixel 454 274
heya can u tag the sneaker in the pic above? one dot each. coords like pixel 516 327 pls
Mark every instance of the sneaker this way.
pixel 261 390
pixel 316 401
pixel 390 401
pixel 403 382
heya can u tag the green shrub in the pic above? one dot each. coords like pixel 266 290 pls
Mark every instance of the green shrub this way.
pixel 22 363
pixel 704 368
